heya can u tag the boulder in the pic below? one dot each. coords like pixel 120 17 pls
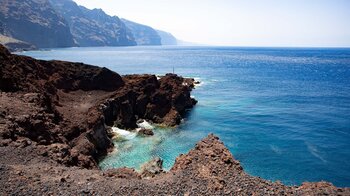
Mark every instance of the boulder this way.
pixel 147 132
pixel 152 168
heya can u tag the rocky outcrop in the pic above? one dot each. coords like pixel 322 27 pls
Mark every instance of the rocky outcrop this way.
pixel 146 132
pixel 68 107
pixel 152 168
pixel 34 22
pixel 208 169
pixel 93 27
pixel 15 45
pixel 53 117
pixel 167 38
pixel 144 35
pixel 161 101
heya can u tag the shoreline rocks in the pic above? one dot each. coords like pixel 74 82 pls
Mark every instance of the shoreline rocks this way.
pixel 55 118
pixel 57 102
pixel 146 132
pixel 152 168
pixel 208 169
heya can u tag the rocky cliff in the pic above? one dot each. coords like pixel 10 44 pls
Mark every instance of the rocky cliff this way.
pixel 63 23
pixel 35 22
pixel 167 38
pixel 71 106
pixel 144 35
pixel 55 115
pixel 93 27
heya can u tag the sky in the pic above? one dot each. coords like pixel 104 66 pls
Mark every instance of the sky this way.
pixel 293 23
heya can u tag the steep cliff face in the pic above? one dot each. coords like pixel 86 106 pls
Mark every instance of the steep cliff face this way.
pixel 93 27
pixel 34 21
pixel 167 38
pixel 144 35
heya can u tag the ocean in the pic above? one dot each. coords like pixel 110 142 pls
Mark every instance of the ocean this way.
pixel 284 113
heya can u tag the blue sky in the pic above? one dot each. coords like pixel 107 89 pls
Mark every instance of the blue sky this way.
pixel 314 23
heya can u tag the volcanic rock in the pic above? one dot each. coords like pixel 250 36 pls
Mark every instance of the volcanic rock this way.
pixel 152 168
pixel 55 103
pixel 147 132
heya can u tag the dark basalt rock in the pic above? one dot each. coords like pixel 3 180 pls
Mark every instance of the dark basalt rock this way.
pixel 147 132
pixel 64 103
pixel 208 169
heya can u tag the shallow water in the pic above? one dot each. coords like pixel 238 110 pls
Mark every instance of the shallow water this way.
pixel 284 113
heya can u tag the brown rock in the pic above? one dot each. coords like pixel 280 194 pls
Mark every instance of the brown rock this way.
pixel 57 102
pixel 125 173
pixel 152 168
pixel 147 132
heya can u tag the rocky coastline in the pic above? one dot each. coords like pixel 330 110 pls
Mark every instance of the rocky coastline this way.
pixel 55 124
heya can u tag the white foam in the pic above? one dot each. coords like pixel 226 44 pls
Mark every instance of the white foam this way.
pixel 198 84
pixel 124 134
pixel 196 79
pixel 145 125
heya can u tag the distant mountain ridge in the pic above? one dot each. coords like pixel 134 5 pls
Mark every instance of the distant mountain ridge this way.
pixel 34 21
pixel 64 23
pixel 167 38
pixel 143 34
pixel 93 27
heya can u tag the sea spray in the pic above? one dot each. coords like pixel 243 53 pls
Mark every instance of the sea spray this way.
pixel 144 124
pixel 121 134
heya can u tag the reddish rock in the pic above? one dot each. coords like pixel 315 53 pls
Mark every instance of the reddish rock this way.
pixel 124 173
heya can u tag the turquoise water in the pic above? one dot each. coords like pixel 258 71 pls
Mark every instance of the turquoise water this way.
pixel 284 113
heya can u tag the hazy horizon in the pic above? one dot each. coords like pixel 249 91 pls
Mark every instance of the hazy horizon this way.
pixel 298 23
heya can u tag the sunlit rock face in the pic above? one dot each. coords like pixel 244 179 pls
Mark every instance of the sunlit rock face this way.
pixel 35 22
pixel 144 35
pixel 93 27
pixel 167 38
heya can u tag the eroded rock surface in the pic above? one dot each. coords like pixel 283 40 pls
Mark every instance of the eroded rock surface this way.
pixel 208 169
pixel 66 108
pixel 53 118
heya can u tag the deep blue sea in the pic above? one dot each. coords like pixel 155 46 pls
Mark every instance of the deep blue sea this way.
pixel 284 113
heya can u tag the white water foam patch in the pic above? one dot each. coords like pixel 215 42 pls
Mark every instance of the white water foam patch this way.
pixel 314 151
pixel 144 124
pixel 123 134
pixel 198 82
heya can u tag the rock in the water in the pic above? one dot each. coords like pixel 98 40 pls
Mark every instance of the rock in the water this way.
pixel 147 132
